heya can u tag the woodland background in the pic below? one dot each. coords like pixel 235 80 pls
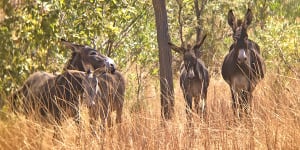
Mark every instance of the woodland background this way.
pixel 30 33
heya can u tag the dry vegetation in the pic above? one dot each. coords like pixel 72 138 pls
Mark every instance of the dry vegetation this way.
pixel 275 123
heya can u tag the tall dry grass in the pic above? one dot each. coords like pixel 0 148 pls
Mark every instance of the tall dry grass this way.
pixel 275 123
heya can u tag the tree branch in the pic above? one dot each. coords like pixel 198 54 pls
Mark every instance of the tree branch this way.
pixel 179 2
pixel 126 30
pixel 198 12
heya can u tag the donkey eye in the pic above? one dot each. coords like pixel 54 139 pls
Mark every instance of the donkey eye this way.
pixel 246 38
pixel 93 53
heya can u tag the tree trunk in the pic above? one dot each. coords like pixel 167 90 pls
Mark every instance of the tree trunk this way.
pixel 199 28
pixel 165 60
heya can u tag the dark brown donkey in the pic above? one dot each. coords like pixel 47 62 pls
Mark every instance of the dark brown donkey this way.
pixel 59 98
pixel 59 95
pixel 109 98
pixel 112 89
pixel 243 67
pixel 194 78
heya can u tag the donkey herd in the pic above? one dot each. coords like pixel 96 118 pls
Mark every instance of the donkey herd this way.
pixel 91 78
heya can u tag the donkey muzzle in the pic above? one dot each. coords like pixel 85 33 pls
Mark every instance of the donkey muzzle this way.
pixel 110 64
pixel 190 73
pixel 242 57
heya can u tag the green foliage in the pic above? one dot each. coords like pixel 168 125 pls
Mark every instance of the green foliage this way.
pixel 280 46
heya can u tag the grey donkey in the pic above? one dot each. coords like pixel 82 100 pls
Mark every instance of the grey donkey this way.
pixel 194 78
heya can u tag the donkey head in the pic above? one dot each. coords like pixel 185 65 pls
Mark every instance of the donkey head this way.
pixel 240 36
pixel 85 58
pixel 91 88
pixel 189 56
pixel 86 82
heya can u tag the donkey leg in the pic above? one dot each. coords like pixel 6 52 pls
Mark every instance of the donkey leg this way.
pixel 119 113
pixel 200 106
pixel 235 106
pixel 93 114
pixel 77 119
pixel 57 129
pixel 204 103
pixel 203 108
pixel 103 115
pixel 78 122
pixel 197 105
pixel 108 118
pixel 28 105
pixel 242 103
pixel 249 109
pixel 93 129
pixel 189 104
pixel 57 134
pixel 248 102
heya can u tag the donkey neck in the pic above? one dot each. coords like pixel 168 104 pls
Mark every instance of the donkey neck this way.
pixel 196 68
pixel 75 63
pixel 70 84
pixel 233 64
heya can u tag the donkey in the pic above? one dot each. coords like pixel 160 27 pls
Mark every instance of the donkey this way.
pixel 243 67
pixel 109 98
pixel 194 78
pixel 112 89
pixel 59 98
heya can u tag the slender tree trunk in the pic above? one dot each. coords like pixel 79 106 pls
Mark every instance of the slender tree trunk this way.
pixel 165 60
pixel 199 28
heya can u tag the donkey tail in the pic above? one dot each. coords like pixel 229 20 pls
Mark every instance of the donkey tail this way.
pixel 14 99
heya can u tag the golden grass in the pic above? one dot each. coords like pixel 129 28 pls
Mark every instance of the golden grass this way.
pixel 275 123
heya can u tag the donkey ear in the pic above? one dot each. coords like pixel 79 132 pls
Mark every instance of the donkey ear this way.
pixel 176 48
pixel 196 47
pixel 248 18
pixel 70 45
pixel 231 19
